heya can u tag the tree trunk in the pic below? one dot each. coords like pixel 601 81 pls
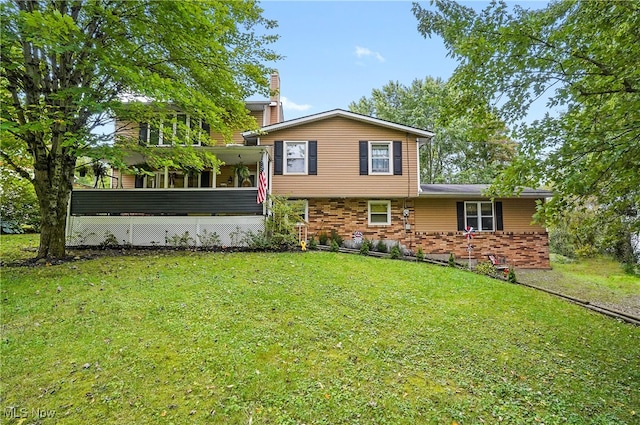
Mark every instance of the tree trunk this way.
pixel 53 185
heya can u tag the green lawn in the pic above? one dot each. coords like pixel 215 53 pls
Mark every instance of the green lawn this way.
pixel 315 338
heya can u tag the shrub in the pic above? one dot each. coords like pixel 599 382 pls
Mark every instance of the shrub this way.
pixel 312 243
pixel 365 247
pixel 180 241
pixel 334 246
pixel 381 246
pixel 335 237
pixel 109 240
pixel 486 268
pixel 452 260
pixel 209 239
pixel 511 277
pixel 395 252
pixel 420 254
pixel 323 238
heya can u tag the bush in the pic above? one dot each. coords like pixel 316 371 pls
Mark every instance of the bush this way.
pixel 381 246
pixel 486 268
pixel 323 238
pixel 511 277
pixel 335 237
pixel 420 254
pixel 395 252
pixel 365 247
pixel 452 260
pixel 334 246
pixel 209 239
pixel 313 245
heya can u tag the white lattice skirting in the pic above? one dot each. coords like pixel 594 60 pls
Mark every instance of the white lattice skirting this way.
pixel 161 231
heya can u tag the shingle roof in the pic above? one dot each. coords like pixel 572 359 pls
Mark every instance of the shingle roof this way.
pixel 475 190
pixel 339 113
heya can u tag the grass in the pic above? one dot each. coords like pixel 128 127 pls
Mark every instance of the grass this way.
pixel 315 338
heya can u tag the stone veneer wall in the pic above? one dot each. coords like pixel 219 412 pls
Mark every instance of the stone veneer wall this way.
pixel 526 250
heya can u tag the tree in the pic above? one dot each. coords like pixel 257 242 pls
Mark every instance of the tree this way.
pixel 580 55
pixel 462 151
pixel 66 65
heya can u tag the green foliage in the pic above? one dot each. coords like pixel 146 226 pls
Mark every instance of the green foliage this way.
pixel 511 276
pixel 452 260
pixel 334 246
pixel 381 246
pixel 582 56
pixel 323 238
pixel 19 208
pixel 486 268
pixel 64 67
pixel 420 254
pixel 282 224
pixel 313 244
pixel 462 151
pixel 109 240
pixel 335 237
pixel 365 247
pixel 180 241
pixel 395 252
pixel 209 239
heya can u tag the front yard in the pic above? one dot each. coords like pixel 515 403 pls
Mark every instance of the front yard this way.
pixel 315 338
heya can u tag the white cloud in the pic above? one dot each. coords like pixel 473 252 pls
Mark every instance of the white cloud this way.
pixel 287 104
pixel 363 52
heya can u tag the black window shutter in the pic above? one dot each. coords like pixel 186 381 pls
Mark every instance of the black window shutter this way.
pixel 142 133
pixel 139 182
pixel 397 158
pixel 460 209
pixel 364 157
pixel 313 157
pixel 277 157
pixel 499 220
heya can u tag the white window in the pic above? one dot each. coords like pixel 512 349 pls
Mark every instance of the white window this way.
pixel 479 215
pixel 176 127
pixel 296 156
pixel 380 154
pixel 379 213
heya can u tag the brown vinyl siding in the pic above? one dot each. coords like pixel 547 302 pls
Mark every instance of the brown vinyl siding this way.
pixel 439 215
pixel 338 161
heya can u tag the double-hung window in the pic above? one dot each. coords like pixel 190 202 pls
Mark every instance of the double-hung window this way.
pixel 479 215
pixel 380 154
pixel 379 213
pixel 296 157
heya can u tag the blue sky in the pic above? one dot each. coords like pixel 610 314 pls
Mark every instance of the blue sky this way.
pixel 339 51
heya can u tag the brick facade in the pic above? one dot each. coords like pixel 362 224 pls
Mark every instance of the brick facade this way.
pixel 522 249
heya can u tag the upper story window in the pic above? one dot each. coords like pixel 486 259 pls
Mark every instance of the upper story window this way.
pixel 297 158
pixel 479 215
pixel 380 158
pixel 175 128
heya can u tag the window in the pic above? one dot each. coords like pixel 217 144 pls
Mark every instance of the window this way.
pixel 380 157
pixel 479 215
pixel 379 213
pixel 296 155
pixel 175 128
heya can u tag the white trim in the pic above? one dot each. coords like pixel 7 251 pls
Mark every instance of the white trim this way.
pixel 390 146
pixel 340 113
pixel 285 170
pixel 380 202
pixel 479 216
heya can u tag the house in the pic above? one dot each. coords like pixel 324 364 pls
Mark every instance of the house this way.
pixel 353 173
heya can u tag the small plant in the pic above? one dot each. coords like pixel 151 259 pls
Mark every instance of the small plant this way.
pixel 334 246
pixel 452 260
pixel 336 237
pixel 109 240
pixel 180 241
pixel 365 247
pixel 395 252
pixel 313 244
pixel 420 254
pixel 209 239
pixel 511 276
pixel 258 241
pixel 323 238
pixel 236 236
pixel 381 246
pixel 486 268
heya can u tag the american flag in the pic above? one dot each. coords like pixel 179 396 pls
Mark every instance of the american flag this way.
pixel 262 185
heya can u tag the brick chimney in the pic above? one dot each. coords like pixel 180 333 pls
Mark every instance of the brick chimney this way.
pixel 275 106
